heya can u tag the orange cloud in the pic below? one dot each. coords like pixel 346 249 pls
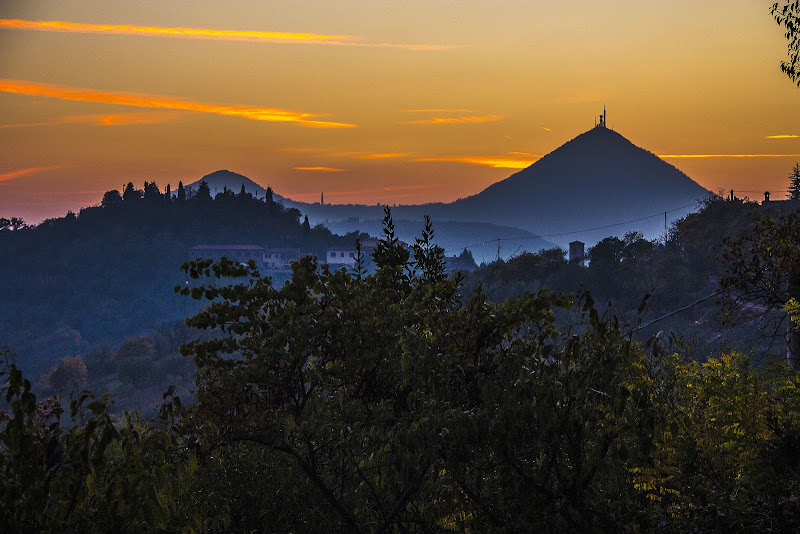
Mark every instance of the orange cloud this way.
pixel 437 110
pixel 320 169
pixel 497 162
pixel 189 33
pixel 163 102
pixel 782 136
pixel 124 119
pixel 25 172
pixel 202 33
pixel 671 156
pixel 385 155
pixel 456 120
pixel 113 119
pixel 331 154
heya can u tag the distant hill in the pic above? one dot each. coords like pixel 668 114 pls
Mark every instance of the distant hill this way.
pixel 597 179
pixel 108 273
pixel 219 180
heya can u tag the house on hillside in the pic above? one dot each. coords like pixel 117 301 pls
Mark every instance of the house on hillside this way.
pixel 236 253
pixel 340 257
pixel 280 259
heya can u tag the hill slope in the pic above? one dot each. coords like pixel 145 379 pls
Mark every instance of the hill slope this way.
pixel 219 180
pixel 108 273
pixel 597 178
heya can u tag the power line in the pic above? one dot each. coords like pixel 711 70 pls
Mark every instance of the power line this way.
pixel 670 314
pixel 620 223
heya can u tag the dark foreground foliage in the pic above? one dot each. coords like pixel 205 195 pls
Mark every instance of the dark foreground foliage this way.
pixel 388 403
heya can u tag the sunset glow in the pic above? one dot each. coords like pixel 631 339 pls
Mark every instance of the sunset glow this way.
pixel 691 156
pixel 371 103
pixel 457 120
pixel 189 33
pixel 497 162
pixel 202 33
pixel 153 101
pixel 319 169
pixel 24 172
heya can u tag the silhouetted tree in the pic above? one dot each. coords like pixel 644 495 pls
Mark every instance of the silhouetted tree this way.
pixel 181 193
pixel 111 199
pixel 14 223
pixel 151 191
pixel 787 14
pixel 794 183
pixel 131 194
pixel 390 253
pixel 428 256
pixel 268 195
pixel 203 193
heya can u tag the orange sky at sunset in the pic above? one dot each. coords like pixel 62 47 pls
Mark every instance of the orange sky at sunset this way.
pixel 371 102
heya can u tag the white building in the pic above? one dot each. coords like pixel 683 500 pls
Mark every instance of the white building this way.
pixel 340 257
pixel 236 253
pixel 280 259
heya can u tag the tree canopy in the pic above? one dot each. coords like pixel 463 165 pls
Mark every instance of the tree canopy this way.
pixel 389 402
pixel 787 14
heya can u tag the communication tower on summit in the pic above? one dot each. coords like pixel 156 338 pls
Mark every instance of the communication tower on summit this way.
pixel 602 123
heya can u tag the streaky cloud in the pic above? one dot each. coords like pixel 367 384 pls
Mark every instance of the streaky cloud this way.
pixel 497 162
pixel 385 155
pixel 109 119
pixel 700 156
pixel 782 136
pixel 320 169
pixel 144 100
pixel 472 119
pixel 26 172
pixel 437 110
pixel 205 33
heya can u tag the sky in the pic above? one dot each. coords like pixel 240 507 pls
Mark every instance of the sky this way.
pixel 380 102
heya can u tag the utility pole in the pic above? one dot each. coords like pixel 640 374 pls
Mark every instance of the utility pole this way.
pixel 666 232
